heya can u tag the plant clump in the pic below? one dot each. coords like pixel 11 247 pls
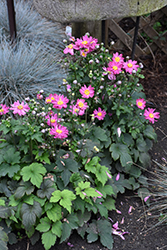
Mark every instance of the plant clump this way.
pixel 66 156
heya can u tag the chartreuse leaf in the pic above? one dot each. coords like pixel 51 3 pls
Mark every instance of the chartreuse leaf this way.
pixel 44 225
pixel 94 167
pixel 3 240
pixel 84 190
pixel 57 228
pixel 54 213
pixel 48 239
pixel 105 190
pixel 34 173
pixel 65 198
pixel 44 157
pixel 29 213
pixel 71 222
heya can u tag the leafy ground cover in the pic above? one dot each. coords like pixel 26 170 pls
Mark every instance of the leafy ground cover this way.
pixel 130 208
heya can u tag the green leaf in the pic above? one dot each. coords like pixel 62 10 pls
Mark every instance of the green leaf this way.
pixel 135 171
pixel 141 145
pixel 100 134
pixel 11 156
pixel 105 232
pixel 126 160
pixel 133 182
pixel 46 189
pixel 44 225
pixel 54 213
pixel 101 173
pixel 150 132
pixel 34 173
pixel 29 214
pixel 144 159
pixel 83 217
pixel 7 169
pixel 24 188
pixel 44 157
pixel 102 210
pixel 66 197
pixel 92 231
pixel 48 239
pixel 109 203
pixel 3 240
pixel 5 212
pixel 57 228
pixel 71 222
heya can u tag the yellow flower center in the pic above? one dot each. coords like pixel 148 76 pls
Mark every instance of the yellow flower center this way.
pixel 48 100
pixel 151 115
pixel 60 102
pixel 117 59
pixel 52 98
pixel 1 110
pixel 87 92
pixel 80 104
pixel 130 65
pixel 84 42
pixel 52 120
pixel 115 67
pixel 70 46
pixel 99 113
pixel 20 107
pixel 76 110
pixel 140 104
pixel 59 131
pixel 83 54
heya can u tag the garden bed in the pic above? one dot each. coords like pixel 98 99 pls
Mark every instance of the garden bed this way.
pixel 134 222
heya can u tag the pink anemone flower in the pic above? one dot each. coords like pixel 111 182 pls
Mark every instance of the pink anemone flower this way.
pixel 99 114
pixel 20 108
pixel 3 109
pixel 69 49
pixel 141 103
pixel 151 115
pixel 60 102
pixel 118 58
pixel 87 92
pixel 114 67
pixel 59 132
pixel 130 65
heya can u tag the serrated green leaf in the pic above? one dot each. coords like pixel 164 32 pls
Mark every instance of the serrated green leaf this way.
pixel 102 210
pixel 144 159
pixel 67 198
pixel 7 169
pixel 57 228
pixel 48 239
pixel 4 188
pixel 141 145
pixel 101 174
pixel 34 173
pixel 133 182
pixel 105 232
pixel 109 203
pixel 46 189
pixel 126 160
pixel 29 214
pixel 11 156
pixel 92 231
pixel 44 225
pixel 79 204
pixel 56 196
pixel 65 175
pixel 24 188
pixel 54 213
pixel 135 171
pixel 100 134
pixel 83 217
pixel 66 231
pixel 5 212
pixel 150 133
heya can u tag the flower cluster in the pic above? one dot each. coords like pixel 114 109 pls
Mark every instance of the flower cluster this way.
pixel 85 45
pixel 149 113
pixel 118 64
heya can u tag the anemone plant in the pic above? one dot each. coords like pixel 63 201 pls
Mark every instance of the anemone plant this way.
pixel 30 25
pixel 25 70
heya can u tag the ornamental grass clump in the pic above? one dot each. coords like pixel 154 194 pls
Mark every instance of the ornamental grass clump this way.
pixel 65 156
pixel 25 70
pixel 30 25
